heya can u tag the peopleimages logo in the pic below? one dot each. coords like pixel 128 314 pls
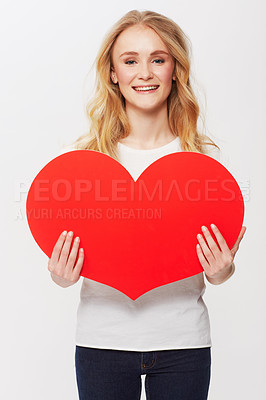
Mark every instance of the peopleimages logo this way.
pixel 123 190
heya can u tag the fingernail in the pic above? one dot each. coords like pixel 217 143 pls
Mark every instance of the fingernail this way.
pixel 213 226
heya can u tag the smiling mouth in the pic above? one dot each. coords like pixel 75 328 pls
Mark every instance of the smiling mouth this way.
pixel 145 89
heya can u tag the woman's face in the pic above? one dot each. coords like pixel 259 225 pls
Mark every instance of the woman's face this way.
pixel 142 68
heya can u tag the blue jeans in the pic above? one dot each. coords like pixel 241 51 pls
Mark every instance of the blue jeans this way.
pixel 105 374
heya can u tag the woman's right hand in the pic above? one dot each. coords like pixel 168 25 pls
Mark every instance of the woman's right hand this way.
pixel 65 271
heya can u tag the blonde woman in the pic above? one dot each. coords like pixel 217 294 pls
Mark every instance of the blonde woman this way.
pixel 144 108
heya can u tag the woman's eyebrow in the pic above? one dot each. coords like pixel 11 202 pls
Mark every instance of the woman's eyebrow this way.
pixel 134 53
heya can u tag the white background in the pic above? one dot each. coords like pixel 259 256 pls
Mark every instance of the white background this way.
pixel 47 51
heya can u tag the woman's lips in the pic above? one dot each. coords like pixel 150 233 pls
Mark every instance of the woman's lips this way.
pixel 147 90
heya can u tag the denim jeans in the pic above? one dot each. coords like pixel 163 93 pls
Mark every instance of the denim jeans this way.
pixel 105 374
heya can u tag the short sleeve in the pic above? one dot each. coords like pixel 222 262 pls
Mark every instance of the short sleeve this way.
pixel 219 155
pixel 66 149
pixel 214 152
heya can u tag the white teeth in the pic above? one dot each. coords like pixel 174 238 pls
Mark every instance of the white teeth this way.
pixel 145 88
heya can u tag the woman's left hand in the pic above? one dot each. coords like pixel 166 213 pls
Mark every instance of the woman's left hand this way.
pixel 217 262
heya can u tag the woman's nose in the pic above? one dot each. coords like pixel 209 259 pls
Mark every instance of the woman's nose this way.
pixel 145 71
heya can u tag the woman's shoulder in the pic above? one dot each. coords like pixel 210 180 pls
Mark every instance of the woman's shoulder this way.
pixel 67 148
pixel 213 151
pixel 219 154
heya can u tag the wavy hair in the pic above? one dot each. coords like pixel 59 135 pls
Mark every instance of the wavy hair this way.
pixel 106 109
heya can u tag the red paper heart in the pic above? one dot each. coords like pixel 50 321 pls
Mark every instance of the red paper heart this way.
pixel 136 235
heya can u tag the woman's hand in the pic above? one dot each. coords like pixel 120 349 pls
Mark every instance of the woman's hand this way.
pixel 61 264
pixel 217 262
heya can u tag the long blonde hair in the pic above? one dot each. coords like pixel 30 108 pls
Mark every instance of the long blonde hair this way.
pixel 106 109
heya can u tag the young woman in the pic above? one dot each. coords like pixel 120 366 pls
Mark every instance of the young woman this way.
pixel 144 108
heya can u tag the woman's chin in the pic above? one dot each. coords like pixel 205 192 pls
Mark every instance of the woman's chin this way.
pixel 146 106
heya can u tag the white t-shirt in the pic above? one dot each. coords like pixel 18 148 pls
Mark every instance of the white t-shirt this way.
pixel 172 316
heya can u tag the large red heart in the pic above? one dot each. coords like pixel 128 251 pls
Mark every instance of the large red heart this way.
pixel 136 235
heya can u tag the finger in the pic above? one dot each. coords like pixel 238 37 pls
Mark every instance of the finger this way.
pixel 240 237
pixel 79 264
pixel 73 255
pixel 211 243
pixel 56 251
pixel 204 263
pixel 65 249
pixel 205 249
pixel 220 239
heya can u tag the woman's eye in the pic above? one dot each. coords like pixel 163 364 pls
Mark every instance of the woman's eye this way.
pixel 160 61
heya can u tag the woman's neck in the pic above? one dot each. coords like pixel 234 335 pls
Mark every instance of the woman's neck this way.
pixel 149 129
